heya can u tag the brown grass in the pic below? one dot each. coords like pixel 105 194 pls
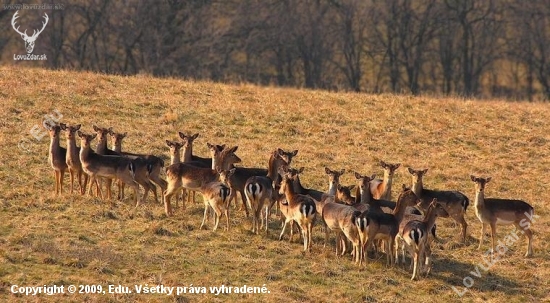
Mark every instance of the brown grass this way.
pixel 72 239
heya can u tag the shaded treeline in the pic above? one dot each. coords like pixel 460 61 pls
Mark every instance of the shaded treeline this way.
pixel 460 47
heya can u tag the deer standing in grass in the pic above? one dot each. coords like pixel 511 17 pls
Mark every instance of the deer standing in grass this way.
pixel 73 158
pixel 381 189
pixel 298 208
pixel 57 157
pixel 150 165
pixel 260 190
pixel 495 212
pixel 454 203
pixel 111 167
pixel 191 177
pixel 376 225
pixel 415 235
pixel 188 157
pixel 216 195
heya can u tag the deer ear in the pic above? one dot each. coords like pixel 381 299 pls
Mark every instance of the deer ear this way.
pixel 342 171
pixel 169 143
pixel 373 177
pixel 411 171
pixel 124 135
pixel 473 178
pixel 327 170
pixel 94 136
pixel 404 187
pixel 95 128
pixel 488 179
pixel 301 170
pixel 382 163
pixel 397 165
pixel 357 175
pixel 424 171
pixel 182 135
pixel 294 152
pixel 77 127
pixel 194 136
pixel 80 134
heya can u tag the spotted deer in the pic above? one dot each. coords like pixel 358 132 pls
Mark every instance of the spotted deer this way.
pixel 73 158
pixel 494 211
pixel 381 189
pixel 57 157
pixel 454 203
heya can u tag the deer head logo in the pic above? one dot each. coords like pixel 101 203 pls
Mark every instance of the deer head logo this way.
pixel 29 41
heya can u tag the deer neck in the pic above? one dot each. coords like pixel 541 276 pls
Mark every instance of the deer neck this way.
pixel 72 150
pixel 188 154
pixel 118 147
pixel 480 198
pixel 387 182
pixel 399 210
pixel 175 158
pixel 332 187
pixel 101 147
pixel 297 186
pixel 84 153
pixel 366 196
pixel 290 192
pixel 430 219
pixel 273 168
pixel 417 188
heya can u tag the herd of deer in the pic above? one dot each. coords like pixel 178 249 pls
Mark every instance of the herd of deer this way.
pixel 368 219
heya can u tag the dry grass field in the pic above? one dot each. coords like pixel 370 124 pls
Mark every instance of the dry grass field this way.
pixel 76 240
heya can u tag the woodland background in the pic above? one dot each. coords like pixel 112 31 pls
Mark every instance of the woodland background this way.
pixel 470 48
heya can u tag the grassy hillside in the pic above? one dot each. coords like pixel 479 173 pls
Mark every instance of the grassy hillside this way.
pixel 72 239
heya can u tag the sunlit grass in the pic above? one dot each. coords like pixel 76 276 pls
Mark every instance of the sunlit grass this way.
pixel 72 239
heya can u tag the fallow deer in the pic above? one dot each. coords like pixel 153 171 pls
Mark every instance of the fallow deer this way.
pixel 299 208
pixel 111 167
pixel 151 165
pixel 494 211
pixel 191 177
pixel 376 225
pixel 415 235
pixel 216 195
pixel 454 203
pixel 73 158
pixel 57 156
pixel 381 189
pixel 189 157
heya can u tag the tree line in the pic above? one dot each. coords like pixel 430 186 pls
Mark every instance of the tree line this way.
pixel 483 48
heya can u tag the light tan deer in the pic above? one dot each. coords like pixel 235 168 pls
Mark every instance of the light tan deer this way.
pixel 111 167
pixel 216 195
pixel 495 211
pixel 299 208
pixel 191 177
pixel 381 189
pixel 57 157
pixel 454 203
pixel 341 218
pixel 415 235
pixel 102 149
pixel 151 166
pixel 73 158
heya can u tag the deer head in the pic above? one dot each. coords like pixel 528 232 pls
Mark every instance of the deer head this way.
pixel 29 41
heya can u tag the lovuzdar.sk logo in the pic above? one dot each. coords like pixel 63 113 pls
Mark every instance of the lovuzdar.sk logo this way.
pixel 29 40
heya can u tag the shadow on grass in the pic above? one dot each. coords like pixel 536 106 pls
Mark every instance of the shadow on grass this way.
pixel 460 274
